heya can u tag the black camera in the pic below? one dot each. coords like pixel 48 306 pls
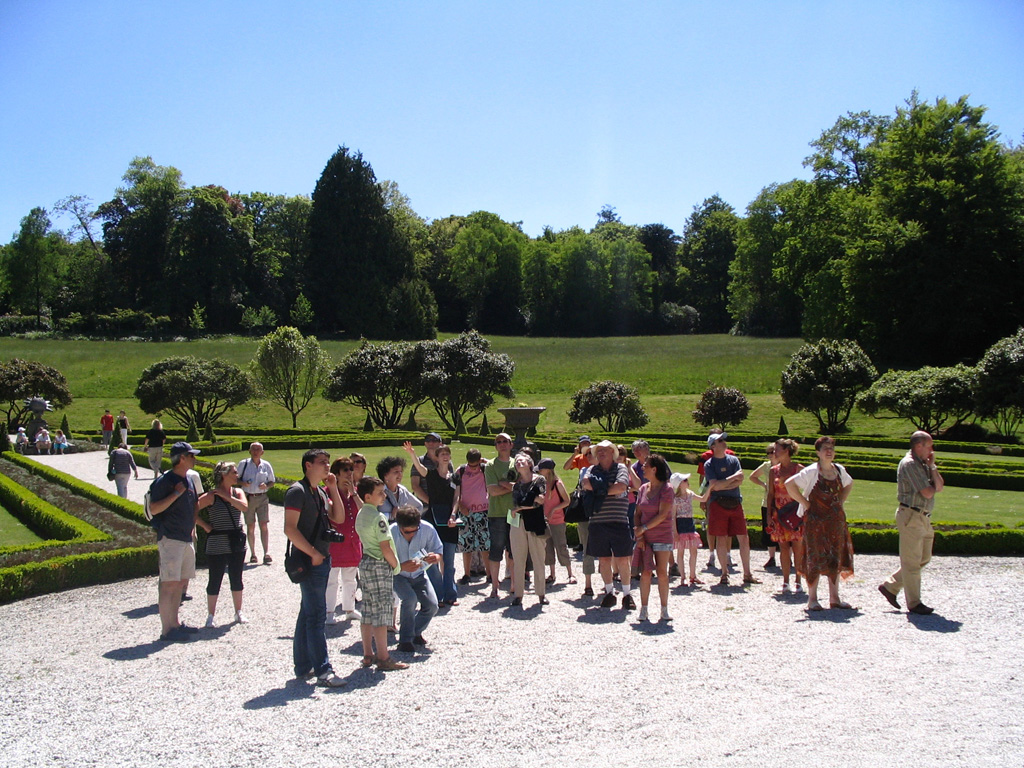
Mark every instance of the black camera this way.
pixel 333 536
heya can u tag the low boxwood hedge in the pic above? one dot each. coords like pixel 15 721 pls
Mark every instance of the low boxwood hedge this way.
pixel 59 573
pixel 44 519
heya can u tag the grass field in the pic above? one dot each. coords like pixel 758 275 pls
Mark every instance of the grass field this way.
pixel 669 371
pixel 13 532
pixel 869 500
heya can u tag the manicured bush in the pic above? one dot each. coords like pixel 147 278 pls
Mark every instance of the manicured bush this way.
pixel 43 518
pixel 59 573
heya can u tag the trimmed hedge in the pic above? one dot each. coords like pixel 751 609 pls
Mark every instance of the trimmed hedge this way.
pixel 126 509
pixel 59 573
pixel 44 519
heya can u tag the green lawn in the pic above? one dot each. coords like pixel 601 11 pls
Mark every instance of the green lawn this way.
pixel 13 532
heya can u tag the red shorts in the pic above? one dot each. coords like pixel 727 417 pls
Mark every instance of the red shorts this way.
pixel 726 522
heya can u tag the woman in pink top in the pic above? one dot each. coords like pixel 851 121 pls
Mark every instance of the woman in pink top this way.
pixel 555 501
pixel 471 504
pixel 654 524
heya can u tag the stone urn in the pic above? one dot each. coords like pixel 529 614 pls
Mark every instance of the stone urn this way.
pixel 518 421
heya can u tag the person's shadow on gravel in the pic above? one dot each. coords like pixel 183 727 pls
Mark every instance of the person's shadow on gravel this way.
pixel 934 623
pixel 831 615
pixel 654 628
pixel 292 690
pixel 135 652
pixel 599 615
pixel 142 612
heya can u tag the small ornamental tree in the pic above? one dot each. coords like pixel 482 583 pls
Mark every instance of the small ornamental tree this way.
pixel 462 378
pixel 824 379
pixel 721 406
pixel 65 427
pixel 22 379
pixel 290 369
pixel 192 436
pixel 385 380
pixel 999 384
pixel 192 390
pixel 614 405
pixel 929 398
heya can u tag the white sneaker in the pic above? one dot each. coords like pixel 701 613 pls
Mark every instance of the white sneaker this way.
pixel 664 614
pixel 643 614
pixel 209 622
pixel 241 618
pixel 785 588
pixel 799 587
pixel 711 562
pixel 353 615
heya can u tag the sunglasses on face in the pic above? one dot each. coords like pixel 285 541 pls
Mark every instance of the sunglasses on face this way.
pixel 410 530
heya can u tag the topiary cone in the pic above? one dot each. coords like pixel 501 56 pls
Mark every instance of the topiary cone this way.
pixel 208 434
pixel 484 429
pixel 368 424
pixel 783 429
pixel 193 434
pixel 64 426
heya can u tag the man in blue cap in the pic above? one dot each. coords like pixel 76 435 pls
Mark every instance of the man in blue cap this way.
pixel 173 505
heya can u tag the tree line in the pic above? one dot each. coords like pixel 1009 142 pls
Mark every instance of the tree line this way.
pixel 907 238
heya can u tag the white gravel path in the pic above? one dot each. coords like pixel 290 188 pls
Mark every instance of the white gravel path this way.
pixel 740 677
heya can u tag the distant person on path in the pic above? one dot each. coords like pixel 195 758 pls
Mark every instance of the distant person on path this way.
pixel 307 511
pixel 123 426
pixel 256 476
pixel 610 539
pixel 499 475
pixel 917 482
pixel 345 555
pixel 417 547
pixel 225 541
pixel 173 506
pixel 107 427
pixel 154 446
pixel 471 503
pixel 121 465
pixel 756 478
pixel 821 490
pixel 377 571
pixel 725 507
pixel 580 458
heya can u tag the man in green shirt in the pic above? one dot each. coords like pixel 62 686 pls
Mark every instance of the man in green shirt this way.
pixel 499 504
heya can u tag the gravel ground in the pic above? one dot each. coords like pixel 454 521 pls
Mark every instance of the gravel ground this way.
pixel 740 677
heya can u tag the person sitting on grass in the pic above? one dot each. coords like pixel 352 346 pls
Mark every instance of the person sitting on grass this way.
pixel 377 569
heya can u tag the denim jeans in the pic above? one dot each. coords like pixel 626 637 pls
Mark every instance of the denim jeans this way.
pixel 444 584
pixel 121 481
pixel 417 590
pixel 309 644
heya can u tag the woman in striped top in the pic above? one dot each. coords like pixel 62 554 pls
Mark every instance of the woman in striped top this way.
pixel 225 542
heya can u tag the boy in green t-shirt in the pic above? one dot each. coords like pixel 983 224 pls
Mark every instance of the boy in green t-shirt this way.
pixel 376 574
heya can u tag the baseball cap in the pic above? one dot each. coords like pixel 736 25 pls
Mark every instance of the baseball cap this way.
pixel 180 448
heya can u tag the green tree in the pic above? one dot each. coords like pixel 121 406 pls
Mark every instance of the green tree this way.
pixel 33 264
pixel 22 379
pixel 999 384
pixel 709 247
pixel 258 320
pixel 929 398
pixel 462 378
pixel 385 380
pixel 614 405
pixel 825 379
pixel 355 242
pixel 137 228
pixel 275 274
pixel 290 369
pixel 487 258
pixel 302 312
pixel 437 271
pixel 192 390
pixel 721 406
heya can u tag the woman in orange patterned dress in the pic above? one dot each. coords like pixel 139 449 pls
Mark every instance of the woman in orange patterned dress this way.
pixel 789 539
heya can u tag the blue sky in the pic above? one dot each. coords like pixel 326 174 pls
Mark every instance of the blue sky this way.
pixel 541 112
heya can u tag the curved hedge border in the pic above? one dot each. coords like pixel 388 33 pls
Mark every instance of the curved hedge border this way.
pixel 126 509
pixel 44 518
pixel 58 573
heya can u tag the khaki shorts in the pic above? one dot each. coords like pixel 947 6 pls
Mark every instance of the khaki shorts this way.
pixel 177 559
pixel 259 508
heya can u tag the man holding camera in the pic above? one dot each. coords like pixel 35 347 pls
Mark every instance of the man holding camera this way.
pixel 306 509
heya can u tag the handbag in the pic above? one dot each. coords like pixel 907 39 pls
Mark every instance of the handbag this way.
pixel 297 564
pixel 788 517
pixel 576 511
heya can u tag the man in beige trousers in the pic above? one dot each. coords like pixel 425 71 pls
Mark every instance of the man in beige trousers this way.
pixel 917 482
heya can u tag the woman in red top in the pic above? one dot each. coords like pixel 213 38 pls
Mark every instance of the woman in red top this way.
pixel 345 555
pixel 654 524
pixel 790 541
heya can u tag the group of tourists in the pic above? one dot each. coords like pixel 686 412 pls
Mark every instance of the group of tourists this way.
pixel 397 544
pixel 42 442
